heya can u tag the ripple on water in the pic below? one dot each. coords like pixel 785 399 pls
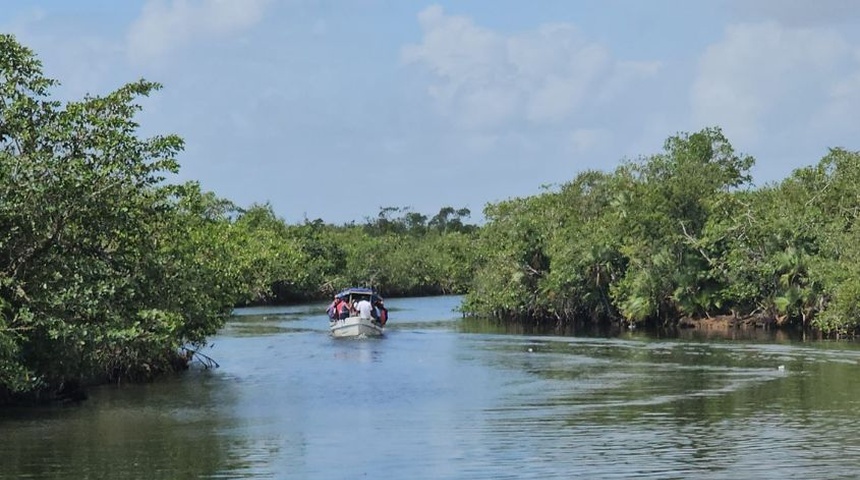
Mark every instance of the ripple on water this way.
pixel 432 400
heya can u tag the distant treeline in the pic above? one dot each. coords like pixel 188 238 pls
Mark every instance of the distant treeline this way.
pixel 400 253
pixel 109 273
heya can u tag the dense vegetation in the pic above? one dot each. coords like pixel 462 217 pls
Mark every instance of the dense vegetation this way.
pixel 105 271
pixel 400 253
pixel 108 272
pixel 679 234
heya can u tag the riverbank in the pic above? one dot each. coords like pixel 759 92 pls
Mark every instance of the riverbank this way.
pixel 732 321
pixel 752 322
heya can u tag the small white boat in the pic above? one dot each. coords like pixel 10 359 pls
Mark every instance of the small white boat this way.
pixel 372 324
pixel 356 327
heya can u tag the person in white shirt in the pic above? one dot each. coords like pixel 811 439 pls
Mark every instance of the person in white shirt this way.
pixel 365 309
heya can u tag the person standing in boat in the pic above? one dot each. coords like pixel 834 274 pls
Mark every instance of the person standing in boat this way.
pixel 342 308
pixel 365 309
pixel 332 309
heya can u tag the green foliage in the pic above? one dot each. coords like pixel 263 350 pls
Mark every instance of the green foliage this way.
pixel 680 233
pixel 105 270
pixel 408 263
pixel 513 259
pixel 399 255
pixel 664 206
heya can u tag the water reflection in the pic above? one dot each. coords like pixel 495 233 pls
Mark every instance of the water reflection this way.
pixel 501 327
pixel 160 431
pixel 683 405
pixel 445 397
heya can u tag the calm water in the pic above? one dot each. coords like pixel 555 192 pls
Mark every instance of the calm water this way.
pixel 442 397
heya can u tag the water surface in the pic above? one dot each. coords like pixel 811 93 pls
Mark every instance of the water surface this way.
pixel 444 397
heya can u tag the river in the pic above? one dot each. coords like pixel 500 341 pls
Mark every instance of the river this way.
pixel 444 397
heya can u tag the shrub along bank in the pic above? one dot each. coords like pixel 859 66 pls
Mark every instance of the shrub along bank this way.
pixel 680 234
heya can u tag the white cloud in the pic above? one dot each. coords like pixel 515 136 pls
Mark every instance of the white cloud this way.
pixel 83 60
pixel 554 68
pixel 798 12
pixel 625 74
pixel 167 25
pixel 28 17
pixel 847 90
pixel 482 79
pixel 584 139
pixel 758 71
pixel 482 143
pixel 840 113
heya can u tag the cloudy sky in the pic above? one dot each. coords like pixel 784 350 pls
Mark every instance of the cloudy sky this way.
pixel 334 108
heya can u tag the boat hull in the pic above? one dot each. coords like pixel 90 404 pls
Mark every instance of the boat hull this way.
pixel 355 327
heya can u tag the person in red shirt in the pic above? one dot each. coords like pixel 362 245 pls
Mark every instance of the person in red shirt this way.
pixel 343 309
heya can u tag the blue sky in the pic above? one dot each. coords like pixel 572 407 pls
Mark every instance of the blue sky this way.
pixel 333 109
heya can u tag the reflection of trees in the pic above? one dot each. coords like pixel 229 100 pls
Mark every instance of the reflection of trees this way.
pixel 169 430
pixel 690 405
pixel 569 329
pixel 746 334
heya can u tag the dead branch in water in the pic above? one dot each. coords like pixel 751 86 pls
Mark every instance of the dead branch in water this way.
pixel 205 360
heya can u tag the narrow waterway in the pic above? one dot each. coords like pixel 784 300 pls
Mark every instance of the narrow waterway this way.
pixel 443 397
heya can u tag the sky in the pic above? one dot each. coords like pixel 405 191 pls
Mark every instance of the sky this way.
pixel 334 109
